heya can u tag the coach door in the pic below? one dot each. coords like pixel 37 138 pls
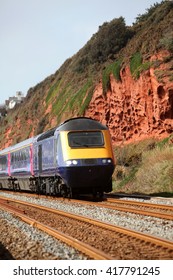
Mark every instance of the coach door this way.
pixel 40 158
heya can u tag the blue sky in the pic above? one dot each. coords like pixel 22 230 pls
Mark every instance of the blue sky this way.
pixel 37 36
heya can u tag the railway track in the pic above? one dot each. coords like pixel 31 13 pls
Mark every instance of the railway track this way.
pixel 80 246
pixel 111 241
pixel 142 208
pixel 136 207
pixel 161 211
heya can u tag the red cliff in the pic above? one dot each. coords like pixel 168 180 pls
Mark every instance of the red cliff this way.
pixel 136 109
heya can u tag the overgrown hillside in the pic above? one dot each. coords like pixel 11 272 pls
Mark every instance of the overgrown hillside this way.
pixel 68 92
pixel 122 77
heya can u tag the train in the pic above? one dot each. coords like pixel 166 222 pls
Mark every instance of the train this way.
pixel 71 159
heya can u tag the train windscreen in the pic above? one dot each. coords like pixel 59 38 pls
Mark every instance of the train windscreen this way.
pixel 85 139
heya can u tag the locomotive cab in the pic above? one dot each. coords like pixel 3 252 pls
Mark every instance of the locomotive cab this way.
pixel 87 161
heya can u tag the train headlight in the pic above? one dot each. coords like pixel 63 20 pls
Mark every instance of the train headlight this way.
pixel 106 160
pixel 71 162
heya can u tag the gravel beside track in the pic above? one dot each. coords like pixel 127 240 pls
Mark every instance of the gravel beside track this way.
pixel 145 224
pixel 21 241
pixel 155 200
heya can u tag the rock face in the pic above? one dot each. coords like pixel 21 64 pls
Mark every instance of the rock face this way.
pixel 136 109
pixel 133 109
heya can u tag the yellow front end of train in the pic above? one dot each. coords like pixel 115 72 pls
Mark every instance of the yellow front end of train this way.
pixel 84 152
pixel 88 160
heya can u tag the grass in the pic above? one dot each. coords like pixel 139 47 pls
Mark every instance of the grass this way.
pixel 135 63
pixel 113 68
pixel 87 100
pixel 70 101
pixel 53 91
pixel 145 167
pixel 77 98
pixel 61 101
pixel 156 172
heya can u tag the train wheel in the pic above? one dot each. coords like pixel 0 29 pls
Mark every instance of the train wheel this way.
pixel 38 185
pixel 69 192
pixel 16 187
pixel 101 194
pixel 94 194
pixel 97 195
pixel 64 190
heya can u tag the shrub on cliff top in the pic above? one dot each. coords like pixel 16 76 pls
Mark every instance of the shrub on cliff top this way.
pixel 109 40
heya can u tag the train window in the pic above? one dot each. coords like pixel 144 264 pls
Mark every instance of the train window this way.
pixel 85 139
pixel 3 163
pixel 47 153
pixel 12 158
pixel 20 159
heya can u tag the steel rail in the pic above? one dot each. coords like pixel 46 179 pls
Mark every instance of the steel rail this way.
pixel 140 212
pixel 111 200
pixel 136 234
pixel 151 205
pixel 121 208
pixel 130 210
pixel 5 203
pixel 86 249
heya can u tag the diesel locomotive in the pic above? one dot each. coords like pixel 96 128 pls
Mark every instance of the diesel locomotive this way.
pixel 74 158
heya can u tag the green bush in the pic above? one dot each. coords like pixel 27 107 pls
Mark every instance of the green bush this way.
pixel 148 14
pixel 109 40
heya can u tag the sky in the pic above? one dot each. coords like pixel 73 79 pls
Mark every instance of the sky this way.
pixel 37 36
